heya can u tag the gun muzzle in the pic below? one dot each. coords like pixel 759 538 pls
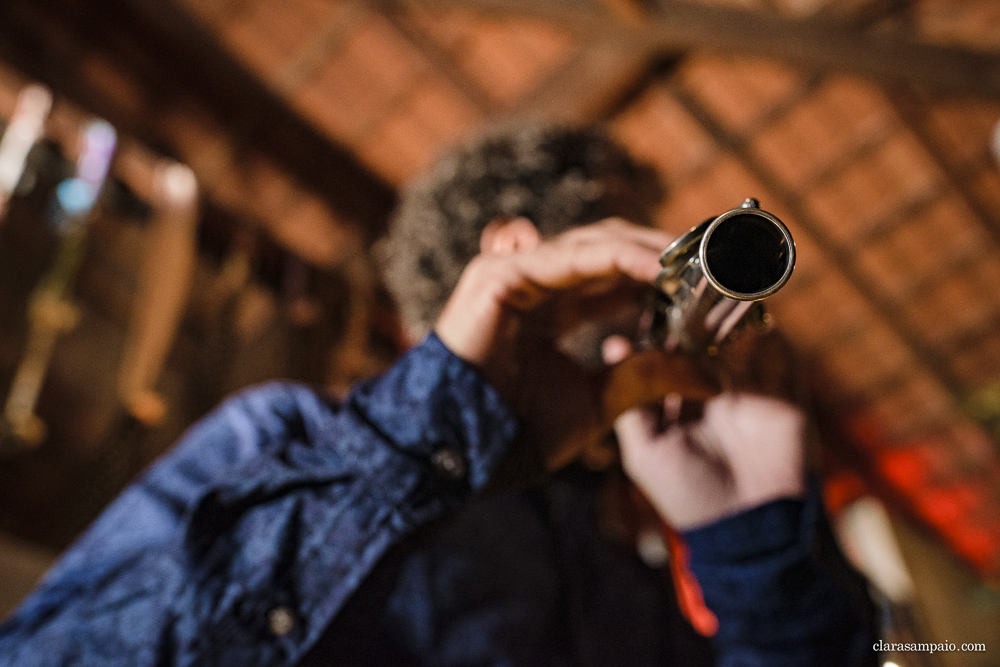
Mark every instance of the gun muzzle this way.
pixel 713 274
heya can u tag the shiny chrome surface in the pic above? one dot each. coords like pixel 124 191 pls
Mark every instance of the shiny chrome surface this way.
pixel 714 274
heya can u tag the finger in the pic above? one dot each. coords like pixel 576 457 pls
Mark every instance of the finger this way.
pixel 615 349
pixel 650 451
pixel 560 266
pixel 654 238
pixel 636 427
pixel 495 287
pixel 649 376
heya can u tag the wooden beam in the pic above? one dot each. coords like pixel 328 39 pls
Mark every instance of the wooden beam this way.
pixel 591 85
pixel 608 70
pixel 395 12
pixel 161 77
pixel 822 44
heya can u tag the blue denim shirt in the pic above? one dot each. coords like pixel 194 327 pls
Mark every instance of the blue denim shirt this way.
pixel 285 529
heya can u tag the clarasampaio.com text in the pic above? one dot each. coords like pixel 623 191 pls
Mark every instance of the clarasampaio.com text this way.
pixel 924 647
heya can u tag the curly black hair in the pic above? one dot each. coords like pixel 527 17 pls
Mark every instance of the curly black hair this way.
pixel 557 177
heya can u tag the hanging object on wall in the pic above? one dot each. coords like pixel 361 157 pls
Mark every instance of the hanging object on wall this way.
pixel 23 131
pixel 164 284
pixel 165 278
pixel 51 310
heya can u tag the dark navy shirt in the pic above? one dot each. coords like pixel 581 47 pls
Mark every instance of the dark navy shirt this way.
pixel 285 529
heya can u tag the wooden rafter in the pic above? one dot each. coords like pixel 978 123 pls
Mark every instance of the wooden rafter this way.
pixel 913 112
pixel 591 85
pixel 395 13
pixel 820 43
pixel 161 77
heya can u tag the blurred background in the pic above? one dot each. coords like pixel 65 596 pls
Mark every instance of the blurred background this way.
pixel 213 231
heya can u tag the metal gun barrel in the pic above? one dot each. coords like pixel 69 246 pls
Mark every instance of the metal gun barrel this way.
pixel 744 255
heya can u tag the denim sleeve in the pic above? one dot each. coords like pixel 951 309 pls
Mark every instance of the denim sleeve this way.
pixel 781 589
pixel 240 545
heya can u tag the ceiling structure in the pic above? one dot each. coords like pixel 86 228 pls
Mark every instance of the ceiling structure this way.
pixel 865 125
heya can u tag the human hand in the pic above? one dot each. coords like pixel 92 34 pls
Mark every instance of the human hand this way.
pixel 741 451
pixel 510 309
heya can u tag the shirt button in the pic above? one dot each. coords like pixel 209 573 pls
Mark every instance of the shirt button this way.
pixel 281 620
pixel 449 463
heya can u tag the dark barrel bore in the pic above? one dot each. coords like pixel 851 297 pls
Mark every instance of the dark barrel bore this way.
pixel 747 255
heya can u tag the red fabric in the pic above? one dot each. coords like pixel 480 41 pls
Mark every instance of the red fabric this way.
pixel 689 596
pixel 841 488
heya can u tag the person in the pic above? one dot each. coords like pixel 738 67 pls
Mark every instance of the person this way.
pixel 435 516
